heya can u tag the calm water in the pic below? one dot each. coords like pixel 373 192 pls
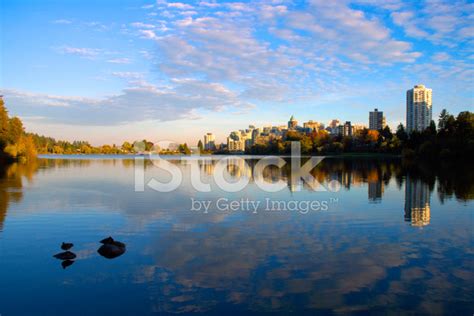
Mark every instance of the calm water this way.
pixel 392 239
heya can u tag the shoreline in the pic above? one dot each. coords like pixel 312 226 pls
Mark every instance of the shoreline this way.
pixel 129 156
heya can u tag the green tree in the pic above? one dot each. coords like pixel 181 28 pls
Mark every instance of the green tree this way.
pixel 443 119
pixel 432 128
pixel 465 125
pixel 386 132
pixel 148 145
pixel 401 133
pixel 183 148
pixel 306 145
pixel 200 146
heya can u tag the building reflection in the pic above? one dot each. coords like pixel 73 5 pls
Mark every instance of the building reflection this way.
pixel 417 202
pixel 238 167
pixel 375 191
pixel 375 186
pixel 208 167
pixel 349 173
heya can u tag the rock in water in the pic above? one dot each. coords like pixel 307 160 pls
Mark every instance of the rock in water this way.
pixel 66 245
pixel 66 255
pixel 107 240
pixel 111 248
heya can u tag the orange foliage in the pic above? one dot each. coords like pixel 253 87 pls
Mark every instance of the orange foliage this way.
pixel 373 136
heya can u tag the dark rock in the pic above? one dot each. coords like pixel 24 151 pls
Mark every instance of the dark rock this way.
pixel 66 246
pixel 107 240
pixel 112 250
pixel 66 255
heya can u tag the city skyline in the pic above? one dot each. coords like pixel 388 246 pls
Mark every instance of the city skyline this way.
pixel 176 70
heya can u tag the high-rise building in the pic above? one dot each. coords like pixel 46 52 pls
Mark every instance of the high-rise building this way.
pixel 334 123
pixel 346 129
pixel 236 141
pixel 255 134
pixel 419 108
pixel 292 123
pixel 209 141
pixel 376 120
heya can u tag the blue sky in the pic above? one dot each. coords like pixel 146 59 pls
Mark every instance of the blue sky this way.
pixel 109 71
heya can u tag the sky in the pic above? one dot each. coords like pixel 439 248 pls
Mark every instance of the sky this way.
pixel 109 71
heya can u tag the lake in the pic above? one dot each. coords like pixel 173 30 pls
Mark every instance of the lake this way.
pixel 364 234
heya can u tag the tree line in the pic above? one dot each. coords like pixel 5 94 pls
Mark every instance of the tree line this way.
pixel 15 144
pixel 49 145
pixel 452 138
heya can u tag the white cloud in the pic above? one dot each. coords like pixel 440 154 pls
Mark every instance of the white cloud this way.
pixel 446 23
pixel 348 32
pixel 119 61
pixel 149 34
pixel 406 19
pixel 322 42
pixel 179 5
pixel 139 103
pixel 128 74
pixel 384 4
pixel 62 21
pixel 78 51
pixel 440 57
pixel 142 25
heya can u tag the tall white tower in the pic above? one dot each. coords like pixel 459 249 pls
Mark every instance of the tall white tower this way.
pixel 419 108
pixel 209 141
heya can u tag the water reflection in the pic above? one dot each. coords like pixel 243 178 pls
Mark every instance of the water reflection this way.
pixel 361 256
pixel 67 263
pixel 419 181
pixel 417 202
pixel 12 178
pixel 375 189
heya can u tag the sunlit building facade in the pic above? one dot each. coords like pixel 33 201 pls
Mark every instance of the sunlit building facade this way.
pixel 209 141
pixel 292 123
pixel 419 108
pixel 237 140
pixel 346 129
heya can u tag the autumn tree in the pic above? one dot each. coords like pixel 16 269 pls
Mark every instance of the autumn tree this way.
pixel 4 122
pixel 372 136
pixel 127 147
pixel 183 148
